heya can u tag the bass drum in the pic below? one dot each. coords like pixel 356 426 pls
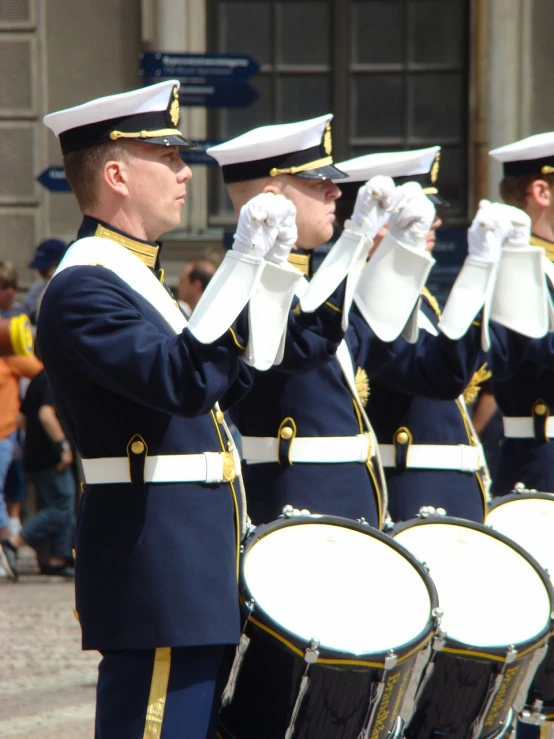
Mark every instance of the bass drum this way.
pixel 497 604
pixel 528 519
pixel 338 623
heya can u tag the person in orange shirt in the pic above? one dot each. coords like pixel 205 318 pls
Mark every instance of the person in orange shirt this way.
pixel 12 369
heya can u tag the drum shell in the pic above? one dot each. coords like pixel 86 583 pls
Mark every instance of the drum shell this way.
pixel 542 687
pixel 456 693
pixel 337 701
pixel 334 707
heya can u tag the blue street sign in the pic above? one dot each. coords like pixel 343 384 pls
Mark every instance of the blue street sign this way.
pixel 54 179
pixel 199 156
pixel 226 95
pixel 217 66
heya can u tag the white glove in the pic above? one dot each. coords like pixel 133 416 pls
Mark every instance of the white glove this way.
pixel 411 223
pixel 520 233
pixel 259 223
pixel 375 202
pixel 490 227
pixel 287 233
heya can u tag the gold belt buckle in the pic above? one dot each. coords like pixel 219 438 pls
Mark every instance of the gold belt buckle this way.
pixel 229 468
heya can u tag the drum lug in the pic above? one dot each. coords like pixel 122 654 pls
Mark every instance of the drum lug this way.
pixel 311 654
pixel 439 640
pixel 511 654
pixel 390 659
pixel 364 522
pixel 291 512
pixel 533 715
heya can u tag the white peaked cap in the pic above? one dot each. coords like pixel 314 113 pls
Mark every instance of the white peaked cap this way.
pixel 149 114
pixel 533 155
pixel 303 148
pixel 393 164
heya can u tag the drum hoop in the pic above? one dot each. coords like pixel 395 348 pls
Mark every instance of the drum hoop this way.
pixel 534 645
pixel 296 643
pixel 340 661
pixel 531 644
pixel 502 499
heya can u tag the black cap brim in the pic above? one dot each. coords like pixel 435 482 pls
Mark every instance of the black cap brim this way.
pixel 438 200
pixel 329 172
pixel 172 140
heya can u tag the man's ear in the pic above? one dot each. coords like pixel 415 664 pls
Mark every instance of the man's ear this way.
pixel 540 192
pixel 115 176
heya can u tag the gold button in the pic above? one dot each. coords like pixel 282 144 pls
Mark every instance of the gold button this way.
pixel 219 416
pixel 137 447
pixel 402 437
pixel 540 409
pixel 286 432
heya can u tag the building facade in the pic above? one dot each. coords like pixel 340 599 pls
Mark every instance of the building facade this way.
pixel 466 74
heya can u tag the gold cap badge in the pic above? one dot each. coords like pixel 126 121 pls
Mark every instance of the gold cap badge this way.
pixel 327 139
pixel 435 168
pixel 174 107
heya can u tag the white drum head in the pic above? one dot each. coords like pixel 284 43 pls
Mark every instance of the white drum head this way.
pixel 349 590
pixel 530 522
pixel 491 595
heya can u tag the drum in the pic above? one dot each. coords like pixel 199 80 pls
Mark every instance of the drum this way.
pixel 16 336
pixel 497 604
pixel 528 519
pixel 338 620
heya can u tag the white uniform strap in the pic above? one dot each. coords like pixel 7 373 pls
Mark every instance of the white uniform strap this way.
pixel 344 358
pixel 94 250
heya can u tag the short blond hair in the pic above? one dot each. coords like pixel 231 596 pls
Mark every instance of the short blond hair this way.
pixel 82 168
pixel 8 272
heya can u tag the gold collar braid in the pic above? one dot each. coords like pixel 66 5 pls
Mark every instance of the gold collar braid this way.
pixel 147 253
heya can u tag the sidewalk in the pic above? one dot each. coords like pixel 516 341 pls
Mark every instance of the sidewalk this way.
pixel 47 683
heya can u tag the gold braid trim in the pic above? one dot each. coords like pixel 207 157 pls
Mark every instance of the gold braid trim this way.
pixel 433 302
pixel 473 389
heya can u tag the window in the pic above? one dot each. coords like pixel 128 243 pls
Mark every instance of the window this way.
pixel 394 73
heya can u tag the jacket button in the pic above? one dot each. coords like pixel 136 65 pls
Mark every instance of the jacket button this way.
pixel 219 417
pixel 540 409
pixel 286 432
pixel 402 437
pixel 137 447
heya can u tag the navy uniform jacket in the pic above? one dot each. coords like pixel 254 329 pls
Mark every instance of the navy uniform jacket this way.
pixel 400 400
pixel 520 393
pixel 156 564
pixel 321 405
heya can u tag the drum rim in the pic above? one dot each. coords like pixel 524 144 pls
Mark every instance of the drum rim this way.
pixel 510 497
pixel 329 655
pixel 495 653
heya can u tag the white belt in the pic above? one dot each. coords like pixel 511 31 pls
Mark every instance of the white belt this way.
pixel 461 457
pixel 206 467
pixel 522 427
pixel 317 449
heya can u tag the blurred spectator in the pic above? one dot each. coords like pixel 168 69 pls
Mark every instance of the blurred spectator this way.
pixel 193 279
pixel 14 489
pixel 8 286
pixel 11 370
pixel 214 254
pixel 47 457
pixel 48 255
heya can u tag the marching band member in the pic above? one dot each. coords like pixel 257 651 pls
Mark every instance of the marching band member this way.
pixel 307 440
pixel 526 398
pixel 137 390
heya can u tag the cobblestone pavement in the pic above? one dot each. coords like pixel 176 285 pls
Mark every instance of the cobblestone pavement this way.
pixel 47 683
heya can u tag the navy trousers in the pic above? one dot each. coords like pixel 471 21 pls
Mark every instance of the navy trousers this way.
pixel 167 693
